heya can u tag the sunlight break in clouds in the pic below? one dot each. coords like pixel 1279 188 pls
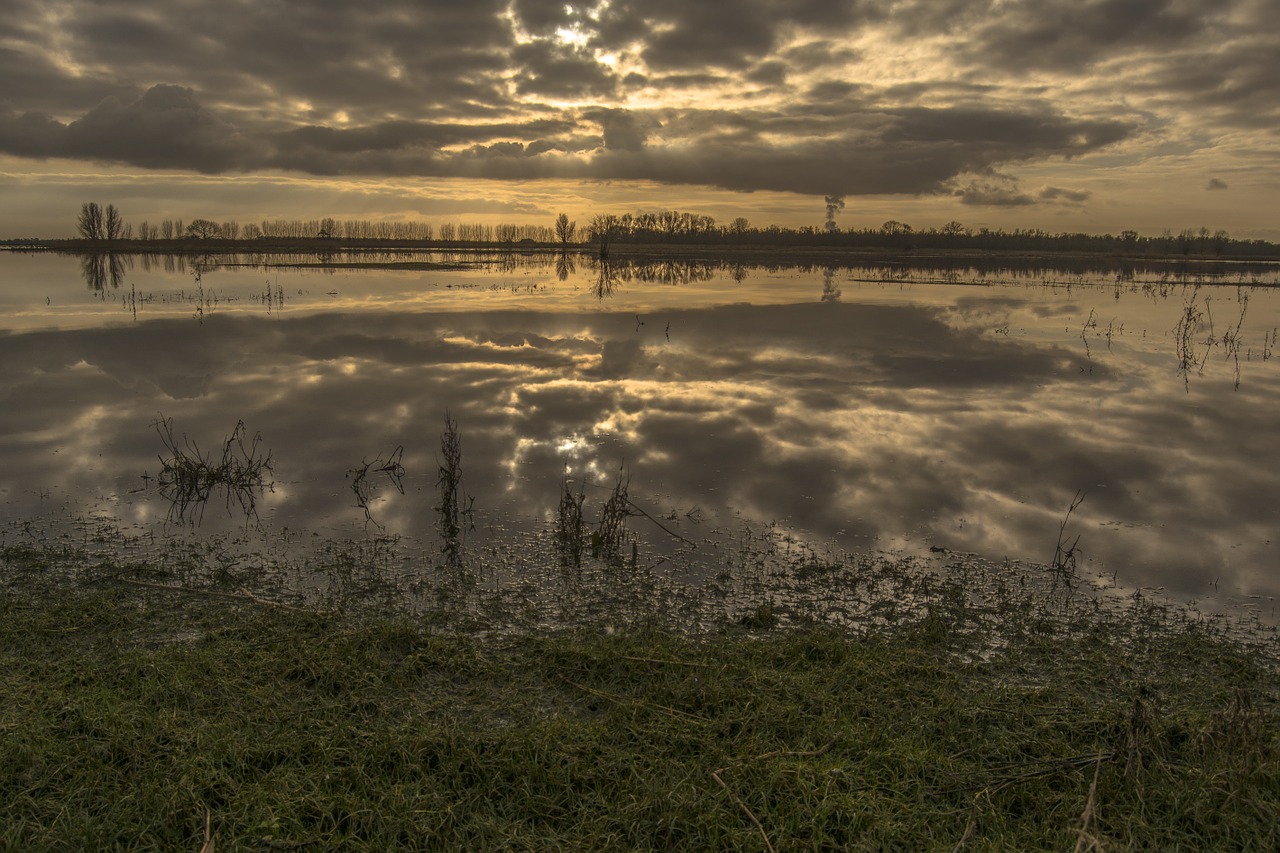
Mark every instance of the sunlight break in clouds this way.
pixel 911 110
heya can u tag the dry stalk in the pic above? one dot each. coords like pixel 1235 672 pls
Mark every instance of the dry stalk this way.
pixel 644 703
pixel 1065 557
pixel 971 826
pixel 208 845
pixel 715 774
pixel 670 662
pixel 1086 840
pixel 242 595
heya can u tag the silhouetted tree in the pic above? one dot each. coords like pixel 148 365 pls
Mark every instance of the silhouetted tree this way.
pixel 565 229
pixel 112 223
pixel 204 229
pixel 603 228
pixel 89 223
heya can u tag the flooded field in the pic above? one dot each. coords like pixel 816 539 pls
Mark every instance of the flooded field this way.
pixel 529 411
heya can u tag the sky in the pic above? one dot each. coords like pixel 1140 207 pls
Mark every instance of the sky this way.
pixel 1062 115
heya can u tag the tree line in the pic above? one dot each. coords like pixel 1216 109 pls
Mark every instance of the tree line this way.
pixel 99 223
pixel 671 227
pixel 675 227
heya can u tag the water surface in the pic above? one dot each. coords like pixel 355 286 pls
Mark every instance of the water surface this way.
pixel 869 407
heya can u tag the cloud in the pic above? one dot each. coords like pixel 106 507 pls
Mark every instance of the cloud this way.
pixel 164 128
pixel 994 191
pixel 1072 34
pixel 862 150
pixel 1216 184
pixel 560 71
pixel 1066 196
pixel 679 35
pixel 624 130
pixel 40 85
pixel 743 95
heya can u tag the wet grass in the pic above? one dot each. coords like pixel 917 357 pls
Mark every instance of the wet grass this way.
pixel 150 703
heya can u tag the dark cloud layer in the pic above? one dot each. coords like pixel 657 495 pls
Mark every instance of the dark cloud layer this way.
pixel 913 150
pixel 531 89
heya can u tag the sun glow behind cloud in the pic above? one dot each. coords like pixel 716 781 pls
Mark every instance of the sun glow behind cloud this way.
pixel 900 105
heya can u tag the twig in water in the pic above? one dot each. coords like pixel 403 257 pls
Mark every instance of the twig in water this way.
pixel 662 526
pixel 365 490
pixel 1064 562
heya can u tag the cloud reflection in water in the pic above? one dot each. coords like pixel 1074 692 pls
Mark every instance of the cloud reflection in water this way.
pixel 890 418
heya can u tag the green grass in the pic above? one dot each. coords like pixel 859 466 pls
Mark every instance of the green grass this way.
pixel 133 715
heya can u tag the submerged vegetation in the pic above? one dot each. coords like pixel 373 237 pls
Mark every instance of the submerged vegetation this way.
pixel 364 479
pixel 190 477
pixel 456 506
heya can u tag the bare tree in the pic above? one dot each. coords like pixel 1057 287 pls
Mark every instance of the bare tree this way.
pixel 112 223
pixel 203 229
pixel 89 223
pixel 602 229
pixel 565 229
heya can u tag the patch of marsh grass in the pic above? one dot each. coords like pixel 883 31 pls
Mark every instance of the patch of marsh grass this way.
pixel 135 717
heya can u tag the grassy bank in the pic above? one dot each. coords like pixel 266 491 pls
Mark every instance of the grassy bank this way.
pixel 140 716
